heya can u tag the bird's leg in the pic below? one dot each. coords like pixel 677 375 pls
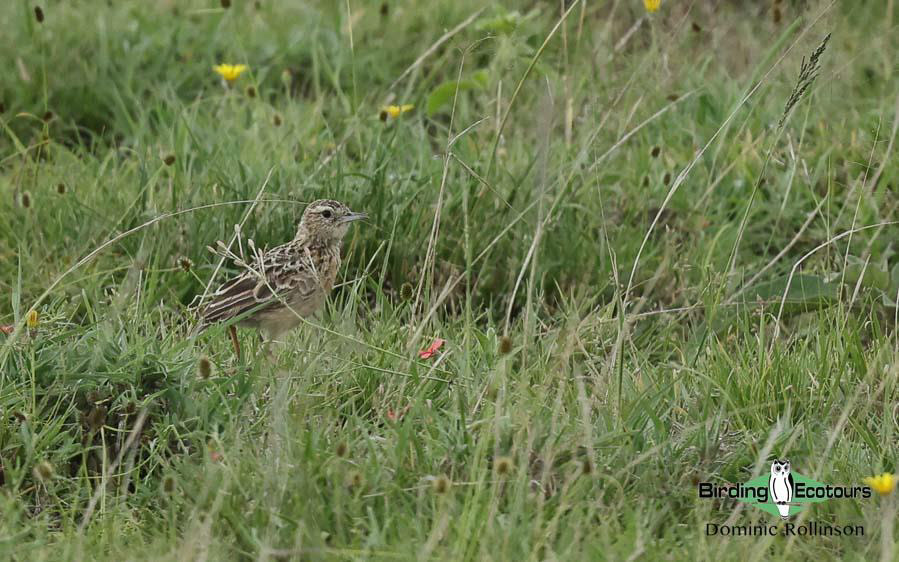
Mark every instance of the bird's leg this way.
pixel 232 331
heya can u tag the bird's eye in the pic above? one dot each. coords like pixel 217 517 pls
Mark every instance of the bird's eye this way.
pixel 326 213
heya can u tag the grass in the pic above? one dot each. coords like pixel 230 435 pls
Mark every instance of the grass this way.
pixel 644 281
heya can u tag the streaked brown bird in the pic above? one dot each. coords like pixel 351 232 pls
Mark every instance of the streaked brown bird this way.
pixel 288 282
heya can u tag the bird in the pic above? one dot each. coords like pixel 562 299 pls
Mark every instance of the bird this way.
pixel 781 486
pixel 287 283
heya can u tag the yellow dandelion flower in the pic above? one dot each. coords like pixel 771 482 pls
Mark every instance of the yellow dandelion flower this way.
pixel 395 111
pixel 883 484
pixel 230 72
pixel 652 6
pixel 32 319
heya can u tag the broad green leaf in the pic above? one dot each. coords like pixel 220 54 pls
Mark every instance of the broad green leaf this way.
pixel 504 23
pixel 443 94
pixel 874 276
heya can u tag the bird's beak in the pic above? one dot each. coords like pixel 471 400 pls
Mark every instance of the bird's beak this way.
pixel 354 217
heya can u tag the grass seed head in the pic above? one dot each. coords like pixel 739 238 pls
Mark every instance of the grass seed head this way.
pixel 441 485
pixel 96 418
pixel 169 159
pixel 61 188
pixel 492 390
pixel 251 92
pixel 43 471
pixel 505 345
pixel 808 72
pixel 226 4
pixel 169 484
pixel 407 291
pixel 204 367
pixel 185 263
pixel 39 14
pixel 276 120
pixel 655 151
pixel 342 449
pixel 355 480
pixel 503 465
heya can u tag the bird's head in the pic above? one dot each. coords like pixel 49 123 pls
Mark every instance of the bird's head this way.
pixel 328 220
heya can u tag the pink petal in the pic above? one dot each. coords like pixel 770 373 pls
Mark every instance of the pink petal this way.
pixel 432 349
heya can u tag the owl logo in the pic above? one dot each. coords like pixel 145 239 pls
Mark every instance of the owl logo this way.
pixel 780 484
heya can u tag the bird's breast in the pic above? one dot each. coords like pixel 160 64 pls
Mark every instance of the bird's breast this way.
pixel 331 265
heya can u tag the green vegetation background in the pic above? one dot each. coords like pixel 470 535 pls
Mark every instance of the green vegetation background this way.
pixel 596 208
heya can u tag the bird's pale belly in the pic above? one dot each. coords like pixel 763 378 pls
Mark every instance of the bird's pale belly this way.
pixel 279 319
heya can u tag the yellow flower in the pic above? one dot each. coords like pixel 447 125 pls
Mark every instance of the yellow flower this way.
pixel 230 72
pixel 395 111
pixel 883 484
pixel 652 6
pixel 32 319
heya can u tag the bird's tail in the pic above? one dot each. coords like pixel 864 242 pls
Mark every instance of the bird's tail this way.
pixel 197 321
